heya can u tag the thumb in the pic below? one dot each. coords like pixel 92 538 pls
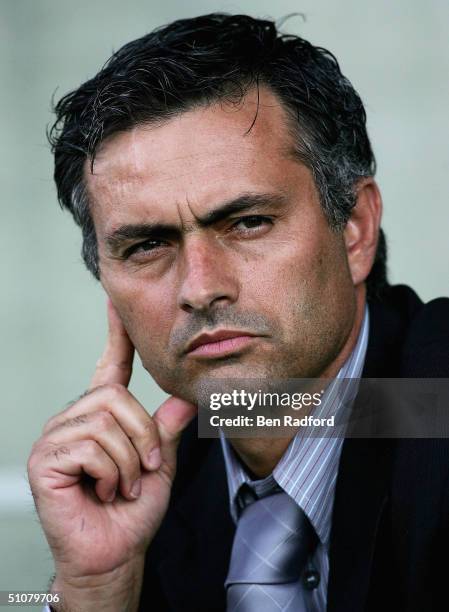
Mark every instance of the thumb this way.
pixel 115 365
pixel 172 417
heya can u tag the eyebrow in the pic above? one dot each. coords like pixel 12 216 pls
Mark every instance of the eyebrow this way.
pixel 244 202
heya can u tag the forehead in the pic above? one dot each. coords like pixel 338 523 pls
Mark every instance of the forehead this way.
pixel 202 156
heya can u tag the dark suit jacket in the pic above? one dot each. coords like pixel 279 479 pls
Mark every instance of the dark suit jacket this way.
pixel 389 546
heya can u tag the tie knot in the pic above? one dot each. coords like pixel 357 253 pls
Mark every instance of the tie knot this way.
pixel 249 493
pixel 273 540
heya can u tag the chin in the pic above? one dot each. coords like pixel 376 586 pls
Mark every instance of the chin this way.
pixel 235 369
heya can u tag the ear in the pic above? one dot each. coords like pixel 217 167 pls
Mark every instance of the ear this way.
pixel 362 230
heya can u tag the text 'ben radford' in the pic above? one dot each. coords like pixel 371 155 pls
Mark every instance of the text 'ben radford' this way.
pixel 263 421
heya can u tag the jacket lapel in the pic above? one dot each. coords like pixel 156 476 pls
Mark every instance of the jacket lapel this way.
pixel 364 475
pixel 361 500
pixel 194 572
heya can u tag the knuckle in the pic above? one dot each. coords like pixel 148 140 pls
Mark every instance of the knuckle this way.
pixel 53 423
pixel 31 463
pixel 35 448
pixel 43 452
pixel 116 391
pixel 34 456
pixel 103 420
pixel 57 452
pixel 56 419
pixel 89 448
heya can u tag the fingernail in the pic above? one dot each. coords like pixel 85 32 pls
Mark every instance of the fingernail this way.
pixel 136 488
pixel 154 459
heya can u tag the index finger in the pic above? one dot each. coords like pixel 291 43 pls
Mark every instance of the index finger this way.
pixel 116 363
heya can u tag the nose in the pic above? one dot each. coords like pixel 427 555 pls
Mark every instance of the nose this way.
pixel 207 278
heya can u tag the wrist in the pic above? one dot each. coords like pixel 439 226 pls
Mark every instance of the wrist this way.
pixel 115 591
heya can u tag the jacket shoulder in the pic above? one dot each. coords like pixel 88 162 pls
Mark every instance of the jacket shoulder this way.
pixel 426 346
pixel 410 335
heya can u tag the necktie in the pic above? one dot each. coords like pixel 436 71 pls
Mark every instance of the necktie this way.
pixel 272 542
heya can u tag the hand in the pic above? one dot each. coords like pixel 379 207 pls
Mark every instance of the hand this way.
pixel 101 476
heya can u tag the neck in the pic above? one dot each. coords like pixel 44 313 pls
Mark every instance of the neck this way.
pixel 261 455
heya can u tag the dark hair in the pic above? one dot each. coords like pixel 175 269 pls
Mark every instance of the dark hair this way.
pixel 198 61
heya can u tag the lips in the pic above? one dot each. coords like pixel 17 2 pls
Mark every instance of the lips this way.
pixel 219 342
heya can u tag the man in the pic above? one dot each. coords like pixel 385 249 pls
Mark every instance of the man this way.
pixel 222 177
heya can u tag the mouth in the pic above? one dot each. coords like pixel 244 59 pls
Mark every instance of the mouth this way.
pixel 219 343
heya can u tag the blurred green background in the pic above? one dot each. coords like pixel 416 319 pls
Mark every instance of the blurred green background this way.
pixel 52 312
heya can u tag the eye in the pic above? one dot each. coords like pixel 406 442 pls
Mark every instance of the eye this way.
pixel 251 224
pixel 145 248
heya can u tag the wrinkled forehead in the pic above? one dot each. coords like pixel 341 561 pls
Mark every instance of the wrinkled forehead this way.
pixel 203 155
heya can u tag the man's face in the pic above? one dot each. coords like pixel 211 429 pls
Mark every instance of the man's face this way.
pixel 206 228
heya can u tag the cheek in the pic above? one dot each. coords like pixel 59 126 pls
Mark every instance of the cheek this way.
pixel 292 265
pixel 302 278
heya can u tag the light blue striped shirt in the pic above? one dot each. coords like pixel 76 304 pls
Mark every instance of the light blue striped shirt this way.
pixel 308 469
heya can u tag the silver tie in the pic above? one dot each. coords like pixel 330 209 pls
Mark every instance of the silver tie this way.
pixel 272 543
